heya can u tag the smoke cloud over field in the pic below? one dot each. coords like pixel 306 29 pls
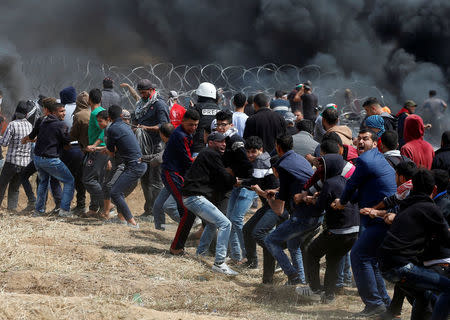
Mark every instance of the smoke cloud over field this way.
pixel 400 47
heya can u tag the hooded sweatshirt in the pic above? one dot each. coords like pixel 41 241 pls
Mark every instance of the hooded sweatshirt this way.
pixel 53 135
pixel 419 219
pixel 344 132
pixel 293 171
pixel 81 115
pixel 417 149
pixel 338 221
pixel 235 156
pixel 207 177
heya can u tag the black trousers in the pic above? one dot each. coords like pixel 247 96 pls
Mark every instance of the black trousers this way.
pixel 93 173
pixel 73 159
pixel 11 176
pixel 255 231
pixel 333 247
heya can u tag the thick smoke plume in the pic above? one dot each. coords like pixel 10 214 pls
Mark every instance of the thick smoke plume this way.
pixel 398 47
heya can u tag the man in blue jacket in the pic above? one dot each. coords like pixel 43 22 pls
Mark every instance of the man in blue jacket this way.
pixel 372 181
pixel 293 171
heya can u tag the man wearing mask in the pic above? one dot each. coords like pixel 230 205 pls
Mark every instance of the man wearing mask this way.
pixel 151 112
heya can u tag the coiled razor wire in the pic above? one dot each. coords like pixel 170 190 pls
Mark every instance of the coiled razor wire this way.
pixel 51 74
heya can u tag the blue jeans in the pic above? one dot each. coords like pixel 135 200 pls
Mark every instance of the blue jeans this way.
pixel 370 283
pixel 344 271
pixel 132 172
pixel 53 167
pixel 291 231
pixel 241 200
pixel 165 203
pixel 214 219
pixel 414 277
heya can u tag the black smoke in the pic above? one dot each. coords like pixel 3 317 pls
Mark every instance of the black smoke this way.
pixel 398 47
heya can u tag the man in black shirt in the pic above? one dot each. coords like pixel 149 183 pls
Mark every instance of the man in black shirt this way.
pixel 53 136
pixel 265 123
pixel 418 221
pixel 206 183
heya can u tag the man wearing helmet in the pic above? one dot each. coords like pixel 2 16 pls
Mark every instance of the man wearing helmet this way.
pixel 151 112
pixel 207 107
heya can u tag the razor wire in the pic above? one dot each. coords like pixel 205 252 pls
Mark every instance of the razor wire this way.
pixel 49 75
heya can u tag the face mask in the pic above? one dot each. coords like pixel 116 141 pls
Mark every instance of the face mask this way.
pixel 1 100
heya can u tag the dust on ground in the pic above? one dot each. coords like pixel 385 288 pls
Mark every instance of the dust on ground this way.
pixel 72 268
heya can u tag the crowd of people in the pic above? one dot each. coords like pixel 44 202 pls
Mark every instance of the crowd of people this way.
pixel 375 204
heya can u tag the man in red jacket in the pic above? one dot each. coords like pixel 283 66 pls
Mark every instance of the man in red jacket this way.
pixel 417 149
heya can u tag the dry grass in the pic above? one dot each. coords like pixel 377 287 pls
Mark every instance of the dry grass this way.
pixel 54 268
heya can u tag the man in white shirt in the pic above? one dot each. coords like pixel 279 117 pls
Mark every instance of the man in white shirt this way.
pixel 239 117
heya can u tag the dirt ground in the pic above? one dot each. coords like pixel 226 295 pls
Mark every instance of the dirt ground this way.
pixel 72 268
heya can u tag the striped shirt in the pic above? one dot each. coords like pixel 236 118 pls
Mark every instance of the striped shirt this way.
pixel 18 154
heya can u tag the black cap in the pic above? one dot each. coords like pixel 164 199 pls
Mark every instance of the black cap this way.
pixel 145 84
pixel 216 136
pixel 108 83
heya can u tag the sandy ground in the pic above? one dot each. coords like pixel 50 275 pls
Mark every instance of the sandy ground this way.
pixel 72 268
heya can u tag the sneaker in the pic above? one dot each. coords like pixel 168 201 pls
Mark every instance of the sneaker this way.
pixel 372 311
pixel 116 221
pixel 224 268
pixel 29 208
pixel 308 294
pixel 133 226
pixel 388 316
pixel 251 264
pixel 328 298
pixel 197 222
pixel 64 214
pixel 55 211
pixel 293 281
pixel 146 218
pixel 277 268
pixel 340 291
pixel 37 213
pixel 79 211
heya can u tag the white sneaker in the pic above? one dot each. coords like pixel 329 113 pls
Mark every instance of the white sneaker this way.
pixel 307 293
pixel 224 268
pixel 197 222
pixel 64 214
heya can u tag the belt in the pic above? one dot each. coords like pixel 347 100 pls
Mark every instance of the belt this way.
pixel 133 161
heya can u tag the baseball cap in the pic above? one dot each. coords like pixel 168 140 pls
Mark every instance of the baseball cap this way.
pixel 216 136
pixel 410 103
pixel 328 106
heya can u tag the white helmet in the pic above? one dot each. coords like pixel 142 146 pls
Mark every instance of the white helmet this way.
pixel 206 89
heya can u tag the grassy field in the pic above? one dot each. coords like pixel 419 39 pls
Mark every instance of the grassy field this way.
pixel 54 268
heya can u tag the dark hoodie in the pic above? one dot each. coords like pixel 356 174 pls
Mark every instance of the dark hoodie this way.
pixel 53 135
pixel 207 177
pixel 235 156
pixel 418 220
pixel 417 149
pixel 333 186
pixel 293 171
pixel 68 95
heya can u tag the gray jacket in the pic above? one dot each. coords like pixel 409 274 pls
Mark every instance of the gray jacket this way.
pixel 110 97
pixel 304 143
